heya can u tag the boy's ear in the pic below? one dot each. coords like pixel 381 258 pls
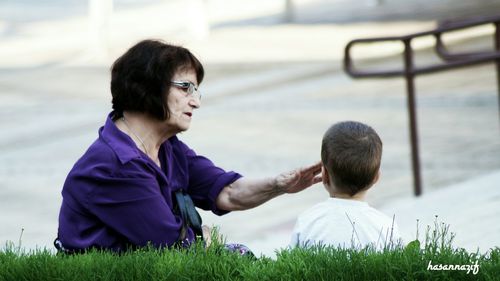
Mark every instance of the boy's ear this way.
pixel 325 176
pixel 375 179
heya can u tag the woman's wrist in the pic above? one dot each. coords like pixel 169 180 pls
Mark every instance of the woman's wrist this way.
pixel 277 186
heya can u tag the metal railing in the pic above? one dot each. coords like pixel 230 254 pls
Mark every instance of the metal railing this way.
pixel 410 71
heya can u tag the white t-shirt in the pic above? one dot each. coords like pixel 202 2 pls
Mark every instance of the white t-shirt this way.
pixel 345 223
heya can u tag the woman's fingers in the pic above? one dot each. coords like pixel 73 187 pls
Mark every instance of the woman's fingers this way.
pixel 317 179
pixel 313 168
pixel 311 171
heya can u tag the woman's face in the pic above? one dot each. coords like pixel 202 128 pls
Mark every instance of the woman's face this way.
pixel 181 103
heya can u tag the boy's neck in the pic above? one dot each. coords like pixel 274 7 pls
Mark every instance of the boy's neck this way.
pixel 360 196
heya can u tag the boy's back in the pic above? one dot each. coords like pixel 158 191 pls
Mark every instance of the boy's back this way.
pixel 345 223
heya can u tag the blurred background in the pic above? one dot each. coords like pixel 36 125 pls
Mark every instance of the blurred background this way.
pixel 274 84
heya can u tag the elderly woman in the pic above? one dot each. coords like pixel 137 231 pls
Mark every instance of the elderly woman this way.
pixel 125 190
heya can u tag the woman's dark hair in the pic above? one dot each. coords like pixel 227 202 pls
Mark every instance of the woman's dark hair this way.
pixel 351 152
pixel 140 78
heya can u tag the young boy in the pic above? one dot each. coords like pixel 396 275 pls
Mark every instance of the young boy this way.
pixel 350 153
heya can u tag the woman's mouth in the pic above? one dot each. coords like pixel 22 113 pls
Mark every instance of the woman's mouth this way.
pixel 188 114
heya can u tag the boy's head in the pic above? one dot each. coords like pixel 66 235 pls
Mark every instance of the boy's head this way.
pixel 351 153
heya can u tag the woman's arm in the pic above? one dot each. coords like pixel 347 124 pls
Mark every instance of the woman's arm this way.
pixel 249 193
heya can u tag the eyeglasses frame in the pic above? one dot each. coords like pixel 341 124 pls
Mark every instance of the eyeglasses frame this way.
pixel 190 88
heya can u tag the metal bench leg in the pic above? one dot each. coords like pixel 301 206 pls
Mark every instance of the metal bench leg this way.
pixel 410 87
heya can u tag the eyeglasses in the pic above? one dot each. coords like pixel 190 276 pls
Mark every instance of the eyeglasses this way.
pixel 188 87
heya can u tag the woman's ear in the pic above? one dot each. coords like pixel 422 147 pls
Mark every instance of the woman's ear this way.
pixel 325 176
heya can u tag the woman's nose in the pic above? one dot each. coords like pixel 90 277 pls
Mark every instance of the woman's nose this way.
pixel 195 102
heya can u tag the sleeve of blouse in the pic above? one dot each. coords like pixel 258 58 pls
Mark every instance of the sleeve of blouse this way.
pixel 135 208
pixel 206 181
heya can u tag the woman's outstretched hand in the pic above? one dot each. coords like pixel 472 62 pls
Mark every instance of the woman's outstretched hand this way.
pixel 245 193
pixel 299 179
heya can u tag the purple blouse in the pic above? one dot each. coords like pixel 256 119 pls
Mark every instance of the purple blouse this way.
pixel 117 196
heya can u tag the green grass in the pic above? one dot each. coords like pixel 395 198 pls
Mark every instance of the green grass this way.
pixel 214 263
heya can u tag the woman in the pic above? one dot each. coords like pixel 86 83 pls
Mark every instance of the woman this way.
pixel 125 190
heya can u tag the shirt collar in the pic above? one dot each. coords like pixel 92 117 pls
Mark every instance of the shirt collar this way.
pixel 120 143
pixel 348 202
